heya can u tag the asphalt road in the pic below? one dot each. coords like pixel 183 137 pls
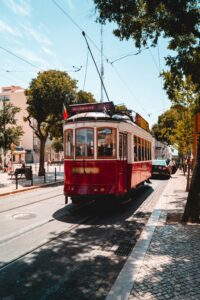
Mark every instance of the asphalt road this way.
pixel 52 251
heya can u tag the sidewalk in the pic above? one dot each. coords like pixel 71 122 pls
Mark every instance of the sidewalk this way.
pixel 8 185
pixel 165 262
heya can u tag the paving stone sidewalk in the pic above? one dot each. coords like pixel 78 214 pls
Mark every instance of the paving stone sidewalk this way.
pixel 171 266
pixel 164 263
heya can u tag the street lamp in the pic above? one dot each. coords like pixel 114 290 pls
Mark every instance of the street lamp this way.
pixel 4 99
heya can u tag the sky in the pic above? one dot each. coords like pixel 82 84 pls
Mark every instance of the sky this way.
pixel 37 35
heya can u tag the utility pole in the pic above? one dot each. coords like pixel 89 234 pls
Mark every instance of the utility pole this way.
pixel 102 67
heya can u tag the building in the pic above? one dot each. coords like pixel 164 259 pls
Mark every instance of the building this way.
pixel 16 95
pixel 28 148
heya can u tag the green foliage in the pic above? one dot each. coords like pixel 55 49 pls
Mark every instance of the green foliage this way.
pixel 121 108
pixel 184 134
pixel 45 98
pixel 181 91
pixel 145 21
pixel 164 130
pixel 175 127
pixel 85 97
pixel 57 144
pixel 10 133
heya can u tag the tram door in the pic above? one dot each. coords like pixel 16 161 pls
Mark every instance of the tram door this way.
pixel 122 162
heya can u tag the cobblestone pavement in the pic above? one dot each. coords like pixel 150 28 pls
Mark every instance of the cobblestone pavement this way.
pixel 171 266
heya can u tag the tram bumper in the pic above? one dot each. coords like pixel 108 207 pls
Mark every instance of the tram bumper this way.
pixel 80 190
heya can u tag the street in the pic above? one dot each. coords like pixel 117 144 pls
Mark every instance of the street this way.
pixel 50 251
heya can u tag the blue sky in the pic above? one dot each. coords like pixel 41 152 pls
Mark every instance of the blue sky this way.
pixel 40 33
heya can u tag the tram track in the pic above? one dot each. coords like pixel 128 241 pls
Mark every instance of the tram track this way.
pixel 32 203
pixel 84 243
pixel 72 227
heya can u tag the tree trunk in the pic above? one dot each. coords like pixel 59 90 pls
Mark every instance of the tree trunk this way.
pixel 191 212
pixel 188 175
pixel 41 171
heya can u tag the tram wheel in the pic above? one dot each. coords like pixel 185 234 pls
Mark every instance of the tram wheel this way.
pixel 66 199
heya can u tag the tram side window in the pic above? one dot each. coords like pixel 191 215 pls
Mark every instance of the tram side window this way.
pixel 150 150
pixel 135 149
pixel 68 143
pixel 120 146
pixel 106 142
pixel 139 149
pixel 84 142
pixel 142 147
pixel 146 150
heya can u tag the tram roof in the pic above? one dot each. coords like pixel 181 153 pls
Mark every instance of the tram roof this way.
pixel 87 116
pixel 104 112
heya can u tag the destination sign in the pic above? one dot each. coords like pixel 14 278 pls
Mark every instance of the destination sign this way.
pixel 91 107
pixel 140 121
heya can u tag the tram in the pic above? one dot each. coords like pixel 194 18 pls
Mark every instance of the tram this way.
pixel 106 154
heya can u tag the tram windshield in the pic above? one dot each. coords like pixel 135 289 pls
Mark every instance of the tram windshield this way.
pixel 85 142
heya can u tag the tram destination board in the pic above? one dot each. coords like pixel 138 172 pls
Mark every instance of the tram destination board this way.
pixel 91 107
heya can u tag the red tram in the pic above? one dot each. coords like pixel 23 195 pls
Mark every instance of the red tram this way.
pixel 105 153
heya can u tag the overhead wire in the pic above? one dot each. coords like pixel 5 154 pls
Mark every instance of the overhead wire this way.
pixel 19 57
pixel 79 27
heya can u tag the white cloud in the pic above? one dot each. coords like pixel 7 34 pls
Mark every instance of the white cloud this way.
pixel 70 4
pixel 6 28
pixel 32 57
pixel 21 7
pixel 39 37
pixel 48 51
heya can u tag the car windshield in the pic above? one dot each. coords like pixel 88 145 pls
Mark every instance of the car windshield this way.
pixel 159 163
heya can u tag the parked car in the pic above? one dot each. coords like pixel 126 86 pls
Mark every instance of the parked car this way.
pixel 160 168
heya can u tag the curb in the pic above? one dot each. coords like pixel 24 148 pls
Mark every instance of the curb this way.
pixel 31 188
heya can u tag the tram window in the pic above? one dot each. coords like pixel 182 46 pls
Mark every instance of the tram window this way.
pixel 125 146
pixel 85 142
pixel 106 142
pixel 135 149
pixel 150 151
pixel 139 149
pixel 142 148
pixel 68 143
pixel 120 146
pixel 146 150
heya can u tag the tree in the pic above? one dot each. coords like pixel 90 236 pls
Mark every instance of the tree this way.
pixel 57 144
pixel 191 211
pixel 45 98
pixel 145 21
pixel 122 109
pixel 85 97
pixel 10 133
pixel 165 129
